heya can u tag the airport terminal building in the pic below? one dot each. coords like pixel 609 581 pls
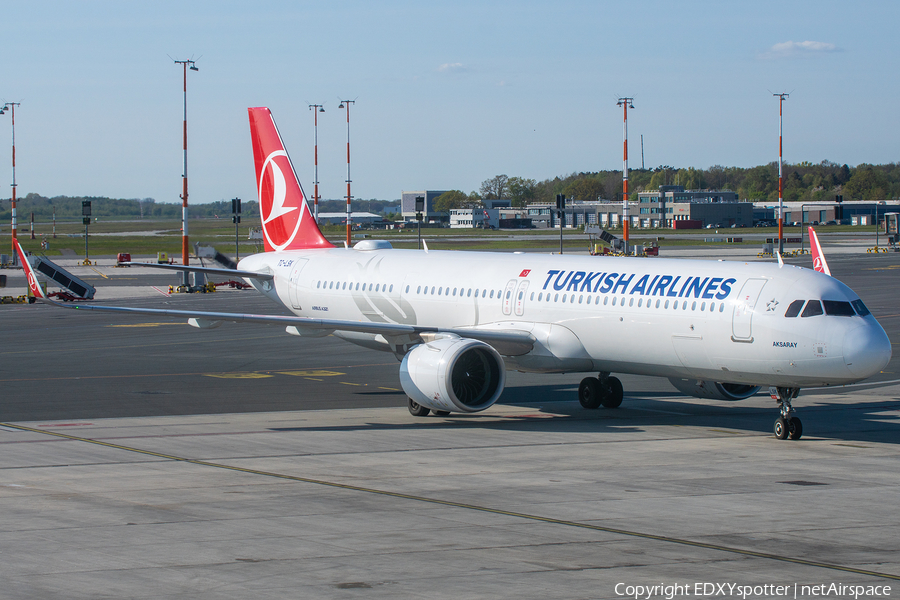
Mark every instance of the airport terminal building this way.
pixel 671 206
pixel 653 209
pixel 429 215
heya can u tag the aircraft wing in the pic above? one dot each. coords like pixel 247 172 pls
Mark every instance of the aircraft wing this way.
pixel 511 342
pixel 208 270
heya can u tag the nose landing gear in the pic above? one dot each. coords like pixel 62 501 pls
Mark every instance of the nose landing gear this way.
pixel 787 425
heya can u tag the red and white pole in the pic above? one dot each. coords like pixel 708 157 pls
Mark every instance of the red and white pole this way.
pixel 12 107
pixel 316 108
pixel 625 103
pixel 185 259
pixel 348 103
pixel 781 98
pixel 185 255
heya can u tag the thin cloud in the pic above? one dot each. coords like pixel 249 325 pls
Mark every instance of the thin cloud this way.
pixel 799 49
pixel 452 68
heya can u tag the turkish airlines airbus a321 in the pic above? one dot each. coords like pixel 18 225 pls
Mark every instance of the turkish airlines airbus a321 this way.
pixel 458 320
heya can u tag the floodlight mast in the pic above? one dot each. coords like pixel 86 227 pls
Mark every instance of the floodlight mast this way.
pixel 347 103
pixel 316 108
pixel 625 103
pixel 781 98
pixel 185 256
pixel 11 107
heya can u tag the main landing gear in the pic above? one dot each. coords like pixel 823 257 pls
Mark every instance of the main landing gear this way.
pixel 417 410
pixel 603 390
pixel 787 425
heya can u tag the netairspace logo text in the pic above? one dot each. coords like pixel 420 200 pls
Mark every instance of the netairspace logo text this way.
pixel 737 590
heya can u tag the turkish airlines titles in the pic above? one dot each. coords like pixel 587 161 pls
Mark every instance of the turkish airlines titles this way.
pixel 661 285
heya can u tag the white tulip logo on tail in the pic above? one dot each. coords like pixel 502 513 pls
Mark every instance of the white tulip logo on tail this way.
pixel 281 214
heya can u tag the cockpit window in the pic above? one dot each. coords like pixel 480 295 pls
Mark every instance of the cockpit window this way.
pixel 794 309
pixel 838 308
pixel 860 308
pixel 813 308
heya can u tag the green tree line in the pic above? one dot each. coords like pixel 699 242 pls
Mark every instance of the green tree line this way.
pixel 68 208
pixel 803 182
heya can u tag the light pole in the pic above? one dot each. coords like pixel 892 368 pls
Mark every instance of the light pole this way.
pixel 802 213
pixel 313 108
pixel 11 107
pixel 561 213
pixel 347 103
pixel 86 218
pixel 876 225
pixel 625 103
pixel 184 178
pixel 236 219
pixel 781 98
pixel 420 207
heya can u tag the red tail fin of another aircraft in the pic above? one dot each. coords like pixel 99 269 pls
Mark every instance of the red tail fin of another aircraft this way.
pixel 287 223
pixel 819 263
pixel 33 284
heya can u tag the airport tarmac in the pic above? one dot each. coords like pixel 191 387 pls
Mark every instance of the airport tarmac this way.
pixel 143 458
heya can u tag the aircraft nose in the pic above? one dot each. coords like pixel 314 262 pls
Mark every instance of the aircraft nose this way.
pixel 867 350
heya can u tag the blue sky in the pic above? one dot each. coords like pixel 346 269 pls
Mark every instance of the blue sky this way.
pixel 448 93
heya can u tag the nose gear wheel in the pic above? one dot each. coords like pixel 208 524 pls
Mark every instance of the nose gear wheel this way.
pixel 787 425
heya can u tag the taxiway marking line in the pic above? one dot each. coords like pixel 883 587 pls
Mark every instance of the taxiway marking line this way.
pixel 99 273
pixel 221 375
pixel 464 506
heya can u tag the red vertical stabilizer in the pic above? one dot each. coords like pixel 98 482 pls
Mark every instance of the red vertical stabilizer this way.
pixel 819 263
pixel 287 222
pixel 30 275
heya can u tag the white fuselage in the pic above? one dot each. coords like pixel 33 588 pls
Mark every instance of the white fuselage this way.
pixel 709 320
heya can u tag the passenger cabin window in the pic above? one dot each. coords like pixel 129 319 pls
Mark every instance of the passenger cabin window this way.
pixel 838 308
pixel 813 308
pixel 860 308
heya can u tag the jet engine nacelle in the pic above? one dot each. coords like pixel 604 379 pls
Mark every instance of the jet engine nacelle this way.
pixel 453 374
pixel 713 389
